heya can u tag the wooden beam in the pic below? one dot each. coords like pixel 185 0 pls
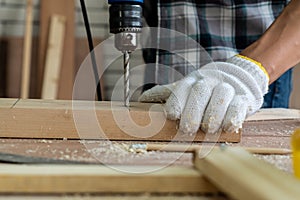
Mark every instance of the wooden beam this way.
pixel 67 9
pixel 25 84
pixel 275 114
pixel 193 148
pixel 55 119
pixel 57 179
pixel 3 67
pixel 8 102
pixel 54 57
pixel 242 176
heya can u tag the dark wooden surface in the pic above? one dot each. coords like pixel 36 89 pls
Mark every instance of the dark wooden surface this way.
pixel 255 134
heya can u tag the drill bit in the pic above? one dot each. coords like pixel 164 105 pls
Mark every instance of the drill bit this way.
pixel 126 79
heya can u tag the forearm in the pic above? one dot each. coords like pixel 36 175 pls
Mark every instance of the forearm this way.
pixel 279 48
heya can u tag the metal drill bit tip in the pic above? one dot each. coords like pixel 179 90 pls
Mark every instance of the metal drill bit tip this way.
pixel 126 79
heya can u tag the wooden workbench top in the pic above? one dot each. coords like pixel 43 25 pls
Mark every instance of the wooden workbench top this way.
pixel 268 128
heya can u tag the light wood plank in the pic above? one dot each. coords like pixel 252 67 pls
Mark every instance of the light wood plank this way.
pixel 242 176
pixel 7 102
pixel 67 9
pixel 55 119
pixel 193 148
pixel 114 197
pixel 25 85
pixel 275 114
pixel 54 57
pixel 55 179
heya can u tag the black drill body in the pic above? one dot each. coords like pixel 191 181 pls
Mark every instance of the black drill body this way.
pixel 126 21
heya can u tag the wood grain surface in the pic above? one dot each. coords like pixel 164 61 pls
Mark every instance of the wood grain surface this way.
pixel 53 179
pixel 67 9
pixel 95 120
pixel 257 132
pixel 244 177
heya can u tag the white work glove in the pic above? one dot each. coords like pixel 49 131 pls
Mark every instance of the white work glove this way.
pixel 218 95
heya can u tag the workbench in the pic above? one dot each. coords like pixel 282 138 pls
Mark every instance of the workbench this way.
pixel 268 128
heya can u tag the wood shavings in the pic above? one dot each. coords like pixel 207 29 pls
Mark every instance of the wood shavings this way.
pixel 282 162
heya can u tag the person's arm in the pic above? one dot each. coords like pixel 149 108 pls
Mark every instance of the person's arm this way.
pixel 220 95
pixel 279 48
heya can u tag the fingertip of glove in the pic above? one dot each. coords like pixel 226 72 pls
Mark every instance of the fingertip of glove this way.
pixel 189 128
pixel 233 122
pixel 210 128
pixel 173 115
pixel 232 128
pixel 156 94
pixel 143 97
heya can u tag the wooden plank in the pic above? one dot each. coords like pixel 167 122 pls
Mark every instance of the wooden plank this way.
pixel 275 114
pixel 25 84
pixel 14 63
pixel 144 196
pixel 55 179
pixel 274 128
pixel 7 102
pixel 10 70
pixel 242 176
pixel 47 9
pixel 55 119
pixel 54 57
pixel 117 152
pixel 3 67
pixel 193 148
pixel 265 141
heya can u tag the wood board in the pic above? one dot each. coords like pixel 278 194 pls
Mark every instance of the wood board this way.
pixel 11 55
pixel 116 152
pixel 54 57
pixel 55 119
pixel 8 102
pixel 260 138
pixel 67 9
pixel 26 65
pixel 3 67
pixel 242 176
pixel 274 114
pixel 54 179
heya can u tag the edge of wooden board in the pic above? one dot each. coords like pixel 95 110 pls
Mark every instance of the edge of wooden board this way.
pixel 274 114
pixel 55 179
pixel 243 176
pixel 109 120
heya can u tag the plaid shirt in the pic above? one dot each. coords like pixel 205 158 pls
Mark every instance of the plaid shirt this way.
pixel 222 27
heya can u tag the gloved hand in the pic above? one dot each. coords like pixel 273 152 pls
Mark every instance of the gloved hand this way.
pixel 218 95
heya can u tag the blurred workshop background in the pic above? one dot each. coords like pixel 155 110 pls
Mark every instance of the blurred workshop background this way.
pixel 75 47
pixel 74 51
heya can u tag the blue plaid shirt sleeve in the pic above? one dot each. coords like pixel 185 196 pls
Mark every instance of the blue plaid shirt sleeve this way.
pixel 222 27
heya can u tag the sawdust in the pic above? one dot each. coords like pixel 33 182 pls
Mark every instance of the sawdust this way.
pixel 272 128
pixel 121 153
pixel 282 162
pixel 113 151
pixel 46 141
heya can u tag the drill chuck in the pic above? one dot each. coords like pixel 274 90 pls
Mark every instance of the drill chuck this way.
pixel 125 15
pixel 125 20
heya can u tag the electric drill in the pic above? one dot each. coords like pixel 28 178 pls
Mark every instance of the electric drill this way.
pixel 125 20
